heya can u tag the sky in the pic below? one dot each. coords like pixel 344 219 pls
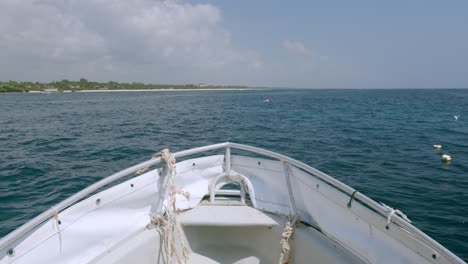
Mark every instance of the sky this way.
pixel 303 44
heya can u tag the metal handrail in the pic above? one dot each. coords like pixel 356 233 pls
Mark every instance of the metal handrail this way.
pixel 228 145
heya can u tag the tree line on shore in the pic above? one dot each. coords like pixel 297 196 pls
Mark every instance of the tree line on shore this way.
pixel 83 84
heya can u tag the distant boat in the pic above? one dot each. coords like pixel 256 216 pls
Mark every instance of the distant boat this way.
pixel 214 206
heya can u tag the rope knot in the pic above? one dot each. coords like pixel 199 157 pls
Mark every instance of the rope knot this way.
pixel 165 155
pixel 168 158
pixel 392 212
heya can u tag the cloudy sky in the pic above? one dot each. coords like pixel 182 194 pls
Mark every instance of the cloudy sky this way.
pixel 309 44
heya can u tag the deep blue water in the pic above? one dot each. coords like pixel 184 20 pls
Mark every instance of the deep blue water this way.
pixel 377 141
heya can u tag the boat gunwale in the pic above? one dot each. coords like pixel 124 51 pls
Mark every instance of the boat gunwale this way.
pixel 352 193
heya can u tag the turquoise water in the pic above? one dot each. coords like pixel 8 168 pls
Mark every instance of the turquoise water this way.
pixel 377 141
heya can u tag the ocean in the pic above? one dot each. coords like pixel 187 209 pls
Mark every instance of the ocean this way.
pixel 379 142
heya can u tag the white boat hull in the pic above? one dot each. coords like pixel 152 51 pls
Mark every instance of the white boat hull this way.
pixel 113 226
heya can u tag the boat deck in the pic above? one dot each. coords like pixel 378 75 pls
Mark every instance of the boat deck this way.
pixel 252 236
pixel 236 243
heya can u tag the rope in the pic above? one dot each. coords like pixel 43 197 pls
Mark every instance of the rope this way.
pixel 57 221
pixel 165 221
pixel 285 247
pixel 392 213
pixel 142 170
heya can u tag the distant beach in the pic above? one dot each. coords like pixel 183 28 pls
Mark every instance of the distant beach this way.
pixel 169 90
pixel 83 85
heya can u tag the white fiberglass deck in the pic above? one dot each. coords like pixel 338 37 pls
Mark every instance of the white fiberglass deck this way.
pixel 252 238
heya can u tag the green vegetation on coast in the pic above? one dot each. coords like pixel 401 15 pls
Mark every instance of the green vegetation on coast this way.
pixel 83 84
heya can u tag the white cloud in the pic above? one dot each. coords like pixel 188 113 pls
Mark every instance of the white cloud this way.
pixel 296 47
pixel 141 40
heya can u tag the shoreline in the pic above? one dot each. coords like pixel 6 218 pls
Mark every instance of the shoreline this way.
pixel 138 90
pixel 166 90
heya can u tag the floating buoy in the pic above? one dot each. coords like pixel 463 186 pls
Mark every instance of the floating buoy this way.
pixel 446 158
pixel 437 147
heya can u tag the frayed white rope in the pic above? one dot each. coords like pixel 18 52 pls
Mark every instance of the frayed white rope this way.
pixel 286 236
pixel 392 213
pixel 165 221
